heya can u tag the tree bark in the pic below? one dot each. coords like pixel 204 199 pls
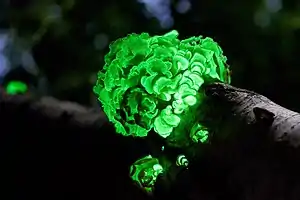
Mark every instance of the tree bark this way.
pixel 220 171
pixel 246 106
pixel 282 125
pixel 49 110
pixel 52 149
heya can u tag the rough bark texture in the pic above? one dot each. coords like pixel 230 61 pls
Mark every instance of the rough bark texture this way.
pixel 72 114
pixel 50 149
pixel 283 124
pixel 248 158
pixel 60 150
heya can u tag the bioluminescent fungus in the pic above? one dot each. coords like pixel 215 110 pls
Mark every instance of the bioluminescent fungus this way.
pixel 199 133
pixel 16 87
pixel 155 83
pixel 144 172
pixel 182 161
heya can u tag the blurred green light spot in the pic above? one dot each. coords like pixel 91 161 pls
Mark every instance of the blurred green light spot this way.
pixel 16 87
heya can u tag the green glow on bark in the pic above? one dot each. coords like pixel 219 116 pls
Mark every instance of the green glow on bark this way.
pixel 154 83
pixel 198 133
pixel 182 161
pixel 16 87
pixel 144 172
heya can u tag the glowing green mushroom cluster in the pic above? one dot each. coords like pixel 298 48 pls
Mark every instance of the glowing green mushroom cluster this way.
pixel 154 83
pixel 144 172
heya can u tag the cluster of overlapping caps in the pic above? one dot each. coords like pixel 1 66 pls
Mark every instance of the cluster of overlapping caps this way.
pixel 154 83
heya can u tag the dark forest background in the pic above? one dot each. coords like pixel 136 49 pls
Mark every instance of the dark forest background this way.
pixel 68 39
pixel 58 46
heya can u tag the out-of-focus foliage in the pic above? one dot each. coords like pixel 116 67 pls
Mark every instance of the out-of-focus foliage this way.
pixel 69 38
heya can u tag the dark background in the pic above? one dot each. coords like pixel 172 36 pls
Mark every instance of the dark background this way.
pixel 58 47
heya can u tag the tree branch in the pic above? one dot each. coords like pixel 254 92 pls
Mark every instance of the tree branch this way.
pixel 49 110
pixel 53 148
pixel 244 105
pixel 235 110
pixel 283 125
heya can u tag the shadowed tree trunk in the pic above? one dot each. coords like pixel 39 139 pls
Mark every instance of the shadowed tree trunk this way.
pixel 253 154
